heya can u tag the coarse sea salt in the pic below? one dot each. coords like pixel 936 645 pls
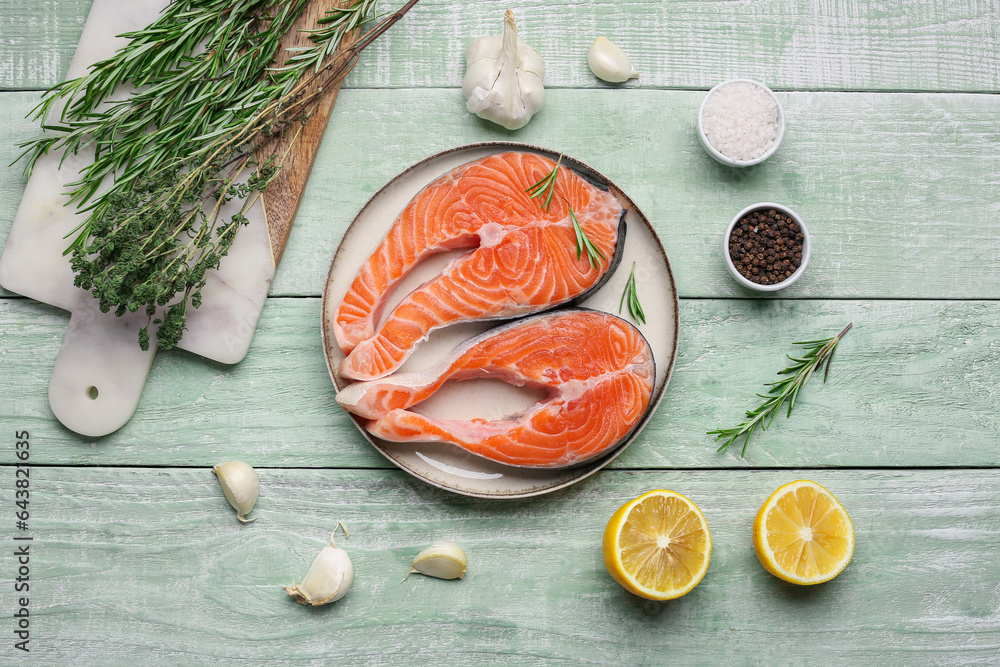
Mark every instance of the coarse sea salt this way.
pixel 740 120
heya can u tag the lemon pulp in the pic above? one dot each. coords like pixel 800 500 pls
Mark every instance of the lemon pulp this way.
pixel 658 546
pixel 803 534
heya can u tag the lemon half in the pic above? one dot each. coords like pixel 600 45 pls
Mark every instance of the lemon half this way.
pixel 658 545
pixel 802 534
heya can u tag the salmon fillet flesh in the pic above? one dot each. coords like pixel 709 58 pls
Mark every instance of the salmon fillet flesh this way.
pixel 521 258
pixel 597 370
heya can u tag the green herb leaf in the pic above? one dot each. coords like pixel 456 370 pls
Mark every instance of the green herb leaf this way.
pixel 206 100
pixel 817 352
pixel 338 22
pixel 546 186
pixel 631 297
pixel 594 254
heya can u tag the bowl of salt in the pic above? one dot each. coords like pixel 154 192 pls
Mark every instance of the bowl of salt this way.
pixel 740 122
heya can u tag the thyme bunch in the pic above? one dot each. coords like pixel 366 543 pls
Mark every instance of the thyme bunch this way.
pixel 817 353
pixel 182 145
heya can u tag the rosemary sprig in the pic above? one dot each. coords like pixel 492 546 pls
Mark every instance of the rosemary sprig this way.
pixel 818 352
pixel 594 254
pixel 632 297
pixel 177 149
pixel 337 22
pixel 546 186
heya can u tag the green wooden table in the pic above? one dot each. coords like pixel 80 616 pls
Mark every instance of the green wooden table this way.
pixel 892 156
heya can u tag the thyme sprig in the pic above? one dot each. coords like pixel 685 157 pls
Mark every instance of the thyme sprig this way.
pixel 546 186
pixel 631 297
pixel 817 352
pixel 594 254
pixel 178 149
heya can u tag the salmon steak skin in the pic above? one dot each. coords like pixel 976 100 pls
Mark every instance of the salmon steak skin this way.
pixel 521 257
pixel 596 368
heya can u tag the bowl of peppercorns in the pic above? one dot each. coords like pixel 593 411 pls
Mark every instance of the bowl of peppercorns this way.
pixel 766 247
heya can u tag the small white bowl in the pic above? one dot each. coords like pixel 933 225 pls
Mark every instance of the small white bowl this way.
pixel 731 162
pixel 806 247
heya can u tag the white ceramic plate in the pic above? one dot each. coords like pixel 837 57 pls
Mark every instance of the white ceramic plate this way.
pixel 444 465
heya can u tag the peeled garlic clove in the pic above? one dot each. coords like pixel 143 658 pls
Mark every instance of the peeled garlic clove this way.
pixel 240 484
pixel 328 579
pixel 444 560
pixel 608 62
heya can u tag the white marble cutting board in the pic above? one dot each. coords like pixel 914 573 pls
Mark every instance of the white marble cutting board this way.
pixel 100 371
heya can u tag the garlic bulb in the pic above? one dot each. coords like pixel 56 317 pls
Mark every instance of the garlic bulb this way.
pixel 503 78
pixel 444 560
pixel 608 62
pixel 329 577
pixel 240 484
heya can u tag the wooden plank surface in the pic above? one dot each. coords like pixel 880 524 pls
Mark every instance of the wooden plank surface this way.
pixel 892 157
pixel 295 151
pixel 38 41
pixel 150 566
pixel 802 45
pixel 913 384
pixel 892 187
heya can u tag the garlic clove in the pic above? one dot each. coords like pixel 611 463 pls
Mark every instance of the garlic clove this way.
pixel 443 559
pixel 241 485
pixel 608 62
pixel 329 577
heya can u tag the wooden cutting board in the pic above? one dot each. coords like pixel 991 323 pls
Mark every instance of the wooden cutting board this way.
pixel 100 371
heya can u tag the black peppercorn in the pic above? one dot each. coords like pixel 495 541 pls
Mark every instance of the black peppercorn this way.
pixel 766 246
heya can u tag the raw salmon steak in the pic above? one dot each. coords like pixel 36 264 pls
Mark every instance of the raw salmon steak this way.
pixel 522 258
pixel 596 368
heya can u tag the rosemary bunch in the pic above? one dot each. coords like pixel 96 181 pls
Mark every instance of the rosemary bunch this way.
pixel 200 72
pixel 817 353
pixel 179 147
